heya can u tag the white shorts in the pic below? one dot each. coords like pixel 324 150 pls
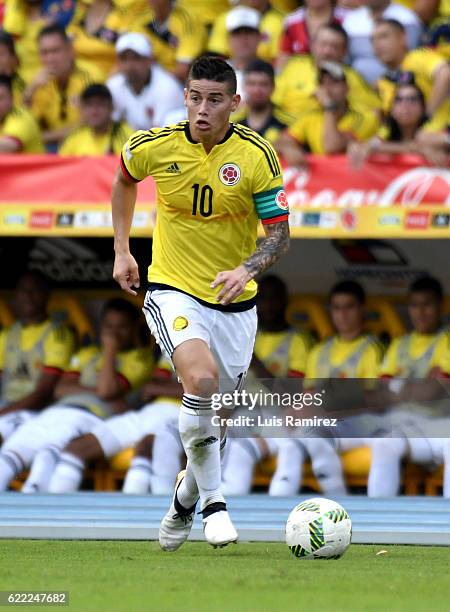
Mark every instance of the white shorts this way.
pixel 54 427
pixel 174 317
pixel 125 430
pixel 12 421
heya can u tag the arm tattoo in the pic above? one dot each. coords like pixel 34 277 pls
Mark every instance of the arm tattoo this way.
pixel 269 249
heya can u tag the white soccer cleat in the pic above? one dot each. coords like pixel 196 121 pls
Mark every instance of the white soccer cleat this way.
pixel 219 530
pixel 176 526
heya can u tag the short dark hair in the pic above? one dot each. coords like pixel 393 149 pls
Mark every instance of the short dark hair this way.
pixel 8 41
pixel 50 30
pixel 349 287
pixel 396 25
pixel 336 27
pixel 259 65
pixel 6 81
pixel 427 284
pixel 213 68
pixel 96 90
pixel 123 306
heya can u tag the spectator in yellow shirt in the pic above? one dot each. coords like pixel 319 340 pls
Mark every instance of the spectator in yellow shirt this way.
pixel 19 132
pixel 259 113
pixel 271 28
pixel 430 70
pixel 94 31
pixel 330 128
pixel 9 64
pixel 54 94
pixel 205 10
pixel 99 134
pixel 401 131
pixel 297 82
pixel 176 36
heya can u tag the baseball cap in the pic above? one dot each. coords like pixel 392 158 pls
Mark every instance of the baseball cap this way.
pixel 132 41
pixel 335 70
pixel 243 17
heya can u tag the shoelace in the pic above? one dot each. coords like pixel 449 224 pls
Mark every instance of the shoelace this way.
pixel 186 518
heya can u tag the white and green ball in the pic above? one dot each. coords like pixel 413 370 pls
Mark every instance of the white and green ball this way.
pixel 318 528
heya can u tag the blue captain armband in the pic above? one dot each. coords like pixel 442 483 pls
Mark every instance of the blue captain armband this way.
pixel 272 206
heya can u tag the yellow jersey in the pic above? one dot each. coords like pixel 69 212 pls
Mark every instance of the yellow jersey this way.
pixel 277 122
pixel 56 108
pixel 28 351
pixel 208 205
pixel 423 63
pixel 271 28
pixel 96 51
pixel 18 88
pixel 309 129
pixel 205 10
pixel 283 353
pixel 25 32
pixel 415 355
pixel 84 141
pixel 20 125
pixel 337 358
pixel 182 40
pixel 297 82
pixel 133 368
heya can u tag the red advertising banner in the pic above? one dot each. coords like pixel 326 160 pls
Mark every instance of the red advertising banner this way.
pixel 45 195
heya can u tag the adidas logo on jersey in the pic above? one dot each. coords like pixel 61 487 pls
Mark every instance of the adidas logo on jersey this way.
pixel 173 169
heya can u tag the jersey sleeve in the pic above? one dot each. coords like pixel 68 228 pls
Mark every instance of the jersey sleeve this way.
pixel 58 349
pixel 389 366
pixel 269 196
pixel 135 367
pixel 80 359
pixel 298 355
pixel 136 158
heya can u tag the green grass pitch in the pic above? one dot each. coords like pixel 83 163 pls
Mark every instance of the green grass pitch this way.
pixel 259 577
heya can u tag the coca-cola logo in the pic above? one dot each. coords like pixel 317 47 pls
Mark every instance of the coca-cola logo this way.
pixel 420 185
pixel 41 219
pixel 417 220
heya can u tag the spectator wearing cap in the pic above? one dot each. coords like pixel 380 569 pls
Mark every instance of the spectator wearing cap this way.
pixel 359 25
pixel 9 65
pixel 331 127
pixel 94 31
pixel 242 25
pixel 301 26
pixel 260 114
pixel 54 93
pixel 143 92
pixel 270 26
pixel 425 67
pixel 19 132
pixel 296 84
pixel 99 133
pixel 177 37
pixel 402 130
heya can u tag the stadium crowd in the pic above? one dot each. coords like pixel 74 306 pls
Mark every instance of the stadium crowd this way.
pixel 319 76
pixel 66 406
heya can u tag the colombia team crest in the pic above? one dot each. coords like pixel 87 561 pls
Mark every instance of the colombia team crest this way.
pixel 229 174
pixel 281 200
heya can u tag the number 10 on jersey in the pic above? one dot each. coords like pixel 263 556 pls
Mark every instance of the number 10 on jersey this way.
pixel 202 200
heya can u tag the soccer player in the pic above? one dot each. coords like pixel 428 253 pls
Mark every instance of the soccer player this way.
pixel 150 468
pixel 34 351
pixel 424 353
pixel 214 181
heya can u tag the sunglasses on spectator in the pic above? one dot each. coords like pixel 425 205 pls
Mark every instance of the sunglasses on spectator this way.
pixel 407 99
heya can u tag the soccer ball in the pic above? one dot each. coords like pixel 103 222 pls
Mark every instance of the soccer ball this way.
pixel 318 528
